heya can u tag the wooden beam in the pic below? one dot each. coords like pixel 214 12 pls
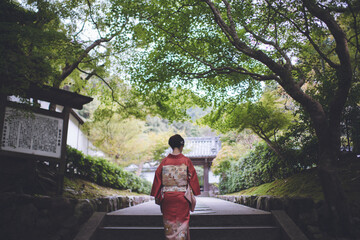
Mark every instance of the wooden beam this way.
pixel 35 110
pixel 58 96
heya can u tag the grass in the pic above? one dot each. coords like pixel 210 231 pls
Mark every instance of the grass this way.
pixel 307 184
pixel 81 189
pixel 304 184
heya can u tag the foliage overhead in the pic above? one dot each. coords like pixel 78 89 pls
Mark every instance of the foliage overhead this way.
pixel 265 118
pixel 30 46
pixel 183 48
pixel 66 44
pixel 222 52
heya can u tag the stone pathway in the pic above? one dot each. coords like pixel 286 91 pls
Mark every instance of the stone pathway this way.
pixel 204 205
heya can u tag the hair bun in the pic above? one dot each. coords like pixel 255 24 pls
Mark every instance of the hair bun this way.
pixel 176 141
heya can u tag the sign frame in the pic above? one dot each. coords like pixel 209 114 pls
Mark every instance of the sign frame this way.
pixel 31 158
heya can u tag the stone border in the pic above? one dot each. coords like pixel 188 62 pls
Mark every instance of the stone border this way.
pixel 25 216
pixel 288 227
pixel 88 229
pixel 312 218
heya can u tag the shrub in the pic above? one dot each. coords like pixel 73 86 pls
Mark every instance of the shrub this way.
pixel 262 165
pixel 103 172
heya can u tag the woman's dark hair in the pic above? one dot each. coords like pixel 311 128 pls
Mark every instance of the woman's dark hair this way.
pixel 176 141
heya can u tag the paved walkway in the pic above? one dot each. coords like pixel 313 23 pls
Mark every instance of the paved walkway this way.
pixel 204 206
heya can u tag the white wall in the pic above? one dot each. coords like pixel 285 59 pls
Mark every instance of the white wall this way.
pixel 77 139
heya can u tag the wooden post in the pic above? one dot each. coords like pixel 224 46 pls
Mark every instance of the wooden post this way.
pixel 62 163
pixel 206 177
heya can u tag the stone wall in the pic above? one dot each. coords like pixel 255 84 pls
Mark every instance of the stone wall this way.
pixel 312 218
pixel 39 217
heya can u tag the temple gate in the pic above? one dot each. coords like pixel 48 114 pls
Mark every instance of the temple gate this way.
pixel 202 151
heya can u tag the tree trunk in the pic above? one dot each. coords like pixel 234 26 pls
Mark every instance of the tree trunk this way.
pixel 327 128
pixel 334 194
pixel 355 131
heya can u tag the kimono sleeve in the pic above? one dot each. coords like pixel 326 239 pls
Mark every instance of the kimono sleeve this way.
pixel 157 183
pixel 193 178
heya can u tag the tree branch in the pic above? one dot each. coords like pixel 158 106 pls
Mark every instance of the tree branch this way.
pixel 81 29
pixel 307 35
pixel 344 70
pixel 234 39
pixel 92 19
pixel 69 68
pixel 271 43
pixel 226 70
pixel 93 73
pixel 357 45
pixel 334 28
pixel 231 20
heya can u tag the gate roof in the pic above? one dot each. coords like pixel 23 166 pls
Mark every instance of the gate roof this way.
pixel 200 147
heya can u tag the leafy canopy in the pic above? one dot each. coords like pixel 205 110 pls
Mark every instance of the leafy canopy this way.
pixel 29 46
pixel 182 48
pixel 265 117
pixel 222 51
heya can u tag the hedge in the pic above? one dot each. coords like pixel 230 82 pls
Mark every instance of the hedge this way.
pixel 262 165
pixel 102 172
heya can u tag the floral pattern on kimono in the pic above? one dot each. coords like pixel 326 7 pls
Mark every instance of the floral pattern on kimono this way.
pixel 176 230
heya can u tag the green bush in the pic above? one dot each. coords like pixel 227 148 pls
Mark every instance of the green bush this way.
pixel 103 172
pixel 262 165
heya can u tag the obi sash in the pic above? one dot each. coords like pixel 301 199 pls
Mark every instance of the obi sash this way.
pixel 174 178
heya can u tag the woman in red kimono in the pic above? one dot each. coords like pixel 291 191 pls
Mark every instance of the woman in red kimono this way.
pixel 172 176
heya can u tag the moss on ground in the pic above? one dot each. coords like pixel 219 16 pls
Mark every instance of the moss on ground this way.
pixel 81 189
pixel 307 184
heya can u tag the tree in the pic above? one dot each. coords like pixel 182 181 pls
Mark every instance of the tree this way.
pixel 233 146
pixel 53 43
pixel 26 44
pixel 265 118
pixel 225 49
pixel 126 141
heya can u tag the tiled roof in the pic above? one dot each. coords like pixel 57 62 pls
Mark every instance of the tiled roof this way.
pixel 201 147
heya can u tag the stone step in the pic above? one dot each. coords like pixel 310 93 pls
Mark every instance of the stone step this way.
pixel 213 219
pixel 198 233
pixel 195 220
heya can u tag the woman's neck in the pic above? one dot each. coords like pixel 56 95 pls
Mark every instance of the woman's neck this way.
pixel 176 151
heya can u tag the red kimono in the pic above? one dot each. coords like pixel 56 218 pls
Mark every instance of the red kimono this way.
pixel 170 181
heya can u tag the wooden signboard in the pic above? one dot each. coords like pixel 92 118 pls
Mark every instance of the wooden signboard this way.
pixel 39 134
pixel 34 133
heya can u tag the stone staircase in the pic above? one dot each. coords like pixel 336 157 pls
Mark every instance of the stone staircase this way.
pixel 215 227
pixel 204 224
